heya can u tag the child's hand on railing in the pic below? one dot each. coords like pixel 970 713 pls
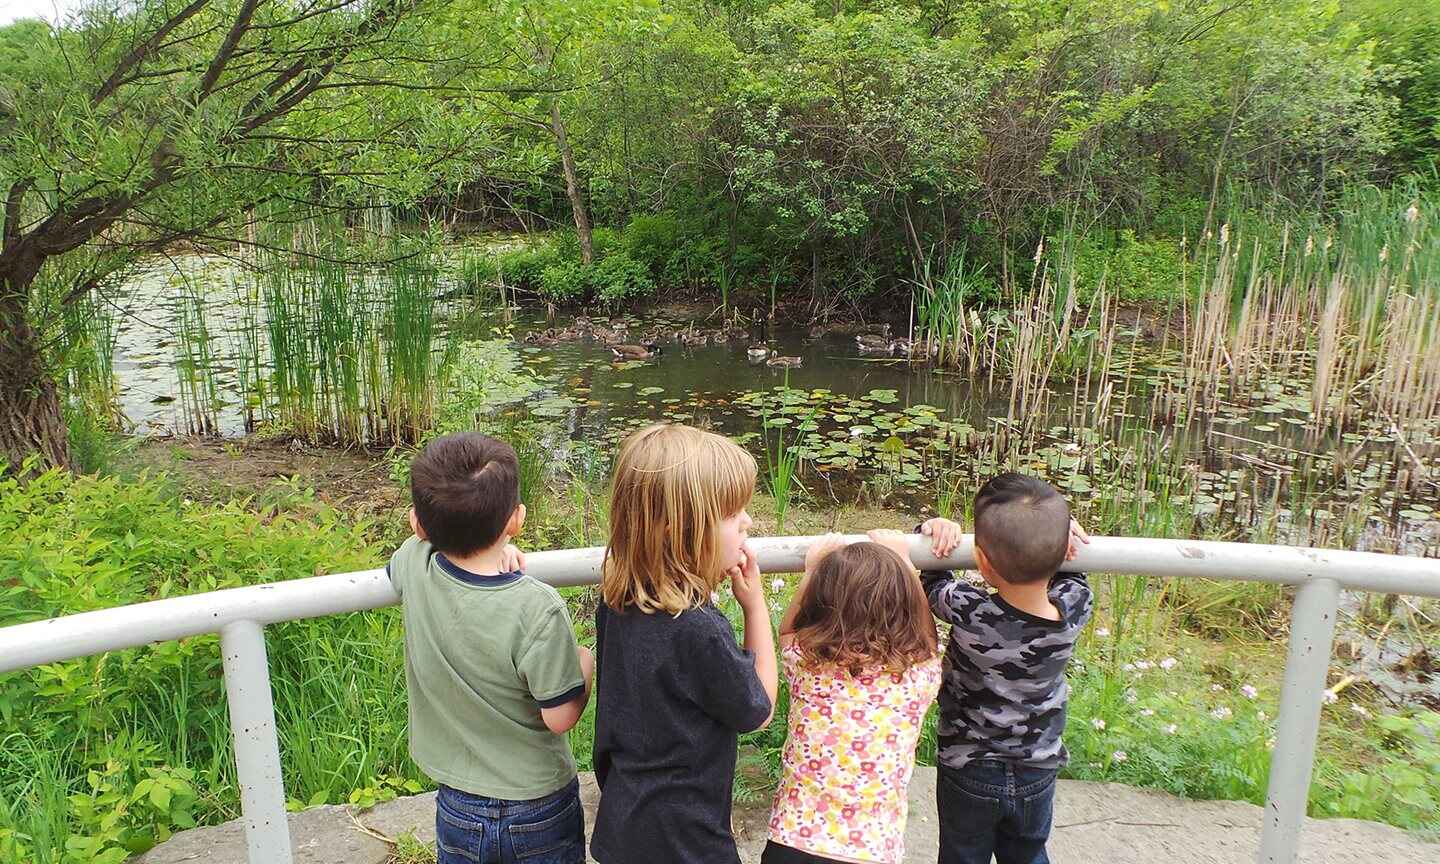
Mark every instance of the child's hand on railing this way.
pixel 819 549
pixel 944 536
pixel 1077 538
pixel 894 541
pixel 512 559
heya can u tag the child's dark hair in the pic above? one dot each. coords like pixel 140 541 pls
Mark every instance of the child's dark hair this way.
pixel 1023 527
pixel 464 488
pixel 864 608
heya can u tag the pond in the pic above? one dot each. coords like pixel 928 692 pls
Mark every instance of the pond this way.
pixel 863 426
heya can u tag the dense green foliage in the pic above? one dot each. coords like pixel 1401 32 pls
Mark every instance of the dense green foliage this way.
pixel 812 144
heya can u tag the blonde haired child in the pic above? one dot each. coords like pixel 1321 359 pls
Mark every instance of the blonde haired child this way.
pixel 674 688
pixel 862 659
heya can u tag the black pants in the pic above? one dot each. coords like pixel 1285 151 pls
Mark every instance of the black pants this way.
pixel 777 854
pixel 995 808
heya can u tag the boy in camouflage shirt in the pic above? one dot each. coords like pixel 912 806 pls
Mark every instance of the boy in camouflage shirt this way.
pixel 1002 704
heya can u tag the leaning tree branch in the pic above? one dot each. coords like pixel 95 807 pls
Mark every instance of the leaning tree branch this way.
pixel 138 54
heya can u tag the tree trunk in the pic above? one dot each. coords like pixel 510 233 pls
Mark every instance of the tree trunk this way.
pixel 30 419
pixel 572 185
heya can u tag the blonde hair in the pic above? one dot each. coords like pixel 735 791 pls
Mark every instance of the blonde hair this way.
pixel 673 486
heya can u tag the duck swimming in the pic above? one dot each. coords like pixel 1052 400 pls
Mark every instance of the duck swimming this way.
pixel 635 352
pixel 756 354
pixel 784 362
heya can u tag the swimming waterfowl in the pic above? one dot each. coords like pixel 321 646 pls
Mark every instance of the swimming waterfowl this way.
pixel 786 362
pixel 692 337
pixel 756 354
pixel 872 344
pixel 635 352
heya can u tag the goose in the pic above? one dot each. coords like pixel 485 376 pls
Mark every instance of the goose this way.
pixel 874 345
pixel 756 354
pixel 635 352
pixel 786 362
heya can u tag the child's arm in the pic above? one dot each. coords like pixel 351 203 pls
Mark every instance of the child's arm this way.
pixel 950 599
pixel 813 556
pixel 562 718
pixel 759 641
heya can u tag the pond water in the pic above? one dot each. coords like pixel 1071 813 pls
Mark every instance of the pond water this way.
pixel 871 426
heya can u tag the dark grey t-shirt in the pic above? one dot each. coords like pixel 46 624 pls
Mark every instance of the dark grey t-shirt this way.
pixel 1004 693
pixel 672 694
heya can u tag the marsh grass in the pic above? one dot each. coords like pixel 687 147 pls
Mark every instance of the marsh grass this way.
pixel 780 469
pixel 356 355
pixel 1349 300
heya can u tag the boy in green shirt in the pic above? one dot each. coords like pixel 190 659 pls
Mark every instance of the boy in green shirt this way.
pixel 494 676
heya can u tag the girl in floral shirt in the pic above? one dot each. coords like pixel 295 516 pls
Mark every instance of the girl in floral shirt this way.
pixel 861 656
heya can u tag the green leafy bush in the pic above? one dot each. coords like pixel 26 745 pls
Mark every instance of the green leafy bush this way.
pixel 619 278
pixel 1130 268
pixel 566 282
pixel 522 268
pixel 105 756
pixel 652 238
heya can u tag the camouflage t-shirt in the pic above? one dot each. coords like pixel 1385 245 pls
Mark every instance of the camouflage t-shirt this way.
pixel 1004 689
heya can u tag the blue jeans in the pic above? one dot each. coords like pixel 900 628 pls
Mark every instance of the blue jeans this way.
pixel 470 829
pixel 991 807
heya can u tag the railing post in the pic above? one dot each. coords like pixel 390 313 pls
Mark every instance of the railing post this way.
pixel 1312 635
pixel 257 748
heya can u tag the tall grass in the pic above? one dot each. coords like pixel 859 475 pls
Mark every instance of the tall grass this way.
pixel 356 355
pixel 1348 300
pixel 195 360
pixel 780 470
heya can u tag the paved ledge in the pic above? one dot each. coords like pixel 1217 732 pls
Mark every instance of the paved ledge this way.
pixel 1094 822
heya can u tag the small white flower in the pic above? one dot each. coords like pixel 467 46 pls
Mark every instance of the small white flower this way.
pixel 1119 756
pixel 1249 691
pixel 715 598
pixel 1169 663
pixel 1147 712
pixel 1262 716
pixel 1102 632
pixel 1269 743
pixel 1221 713
pixel 1217 688
pixel 1359 709
pixel 777 584
pixel 1171 729
pixel 1412 214
pixel 1144 665
pixel 1098 723
pixel 1128 667
pixel 1331 698
pixel 1132 697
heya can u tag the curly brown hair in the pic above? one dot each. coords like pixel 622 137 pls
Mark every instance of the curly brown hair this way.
pixel 863 608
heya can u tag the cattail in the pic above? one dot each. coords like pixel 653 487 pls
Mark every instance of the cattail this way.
pixel 1039 251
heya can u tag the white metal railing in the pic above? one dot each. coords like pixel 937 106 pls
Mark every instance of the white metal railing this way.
pixel 239 615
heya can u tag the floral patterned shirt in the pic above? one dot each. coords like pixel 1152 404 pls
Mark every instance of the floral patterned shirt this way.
pixel 848 758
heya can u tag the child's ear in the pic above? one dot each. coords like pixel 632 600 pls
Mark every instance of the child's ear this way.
pixel 415 525
pixel 517 522
pixel 983 564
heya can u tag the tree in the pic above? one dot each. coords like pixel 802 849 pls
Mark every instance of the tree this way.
pixel 554 54
pixel 139 125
